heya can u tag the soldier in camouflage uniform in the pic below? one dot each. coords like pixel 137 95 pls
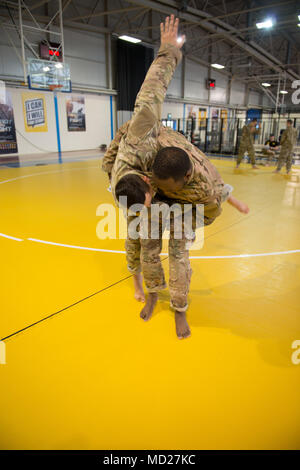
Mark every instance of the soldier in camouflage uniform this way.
pixel 287 142
pixel 133 152
pixel 247 143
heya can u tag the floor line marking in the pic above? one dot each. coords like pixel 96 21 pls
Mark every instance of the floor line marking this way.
pixel 11 238
pixel 46 173
pixel 253 255
pixel 75 246
pixel 274 253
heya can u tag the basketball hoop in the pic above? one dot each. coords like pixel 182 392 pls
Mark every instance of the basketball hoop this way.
pixel 54 87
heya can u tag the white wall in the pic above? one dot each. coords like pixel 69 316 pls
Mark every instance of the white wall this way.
pixel 174 88
pixel 98 127
pixel 195 81
pixel 254 98
pixel 238 90
pixel 85 53
pixel 176 110
pixel 219 94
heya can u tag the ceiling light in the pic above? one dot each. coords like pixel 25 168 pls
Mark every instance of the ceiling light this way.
pixel 283 92
pixel 218 66
pixel 130 39
pixel 59 65
pixel 46 69
pixel 266 84
pixel 265 24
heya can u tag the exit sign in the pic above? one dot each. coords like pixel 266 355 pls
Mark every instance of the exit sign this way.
pixel 210 83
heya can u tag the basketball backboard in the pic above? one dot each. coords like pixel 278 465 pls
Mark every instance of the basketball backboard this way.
pixel 44 73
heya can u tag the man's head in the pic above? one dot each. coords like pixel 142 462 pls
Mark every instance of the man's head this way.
pixel 289 123
pixel 171 168
pixel 254 121
pixel 272 137
pixel 136 188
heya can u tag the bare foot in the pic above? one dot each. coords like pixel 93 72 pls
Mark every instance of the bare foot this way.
pixel 239 205
pixel 255 167
pixel 147 311
pixel 237 165
pixel 182 327
pixel 139 294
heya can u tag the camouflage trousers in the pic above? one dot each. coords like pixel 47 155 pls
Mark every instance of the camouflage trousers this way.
pixel 285 156
pixel 246 146
pixel 143 254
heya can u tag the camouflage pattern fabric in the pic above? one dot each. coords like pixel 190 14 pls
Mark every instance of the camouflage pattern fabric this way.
pixel 247 143
pixel 287 142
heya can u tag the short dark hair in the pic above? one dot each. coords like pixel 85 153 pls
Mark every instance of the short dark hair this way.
pixel 134 187
pixel 171 162
pixel 290 121
pixel 254 119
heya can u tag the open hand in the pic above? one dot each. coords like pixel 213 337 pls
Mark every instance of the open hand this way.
pixel 169 31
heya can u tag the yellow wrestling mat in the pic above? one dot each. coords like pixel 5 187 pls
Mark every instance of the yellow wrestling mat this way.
pixel 94 376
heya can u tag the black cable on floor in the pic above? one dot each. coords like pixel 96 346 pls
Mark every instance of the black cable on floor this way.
pixel 65 308
pixel 69 306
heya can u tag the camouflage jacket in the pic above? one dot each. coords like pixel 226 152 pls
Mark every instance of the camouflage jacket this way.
pixel 137 142
pixel 247 135
pixel 289 137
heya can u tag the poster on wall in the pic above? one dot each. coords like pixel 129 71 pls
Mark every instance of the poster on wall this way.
pixel 191 111
pixel 76 113
pixel 215 113
pixel 202 114
pixel 224 116
pixel 34 110
pixel 8 141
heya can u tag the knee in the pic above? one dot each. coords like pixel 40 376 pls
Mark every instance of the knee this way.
pixel 177 248
pixel 150 249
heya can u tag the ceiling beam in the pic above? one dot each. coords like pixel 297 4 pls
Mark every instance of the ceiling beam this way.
pixel 219 26
pixel 104 13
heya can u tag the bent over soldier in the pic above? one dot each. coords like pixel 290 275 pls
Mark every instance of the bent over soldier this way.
pixel 151 164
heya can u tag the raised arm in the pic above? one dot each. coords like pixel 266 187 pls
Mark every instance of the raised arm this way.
pixel 148 106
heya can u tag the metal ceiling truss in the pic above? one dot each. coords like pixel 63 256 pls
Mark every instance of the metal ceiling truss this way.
pixel 215 30
pixel 26 31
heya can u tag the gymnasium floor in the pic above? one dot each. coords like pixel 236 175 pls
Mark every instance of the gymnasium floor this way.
pixel 95 376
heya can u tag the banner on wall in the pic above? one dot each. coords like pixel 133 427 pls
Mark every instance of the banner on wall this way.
pixel 34 110
pixel 8 140
pixel 191 111
pixel 215 113
pixel 202 114
pixel 224 116
pixel 76 113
